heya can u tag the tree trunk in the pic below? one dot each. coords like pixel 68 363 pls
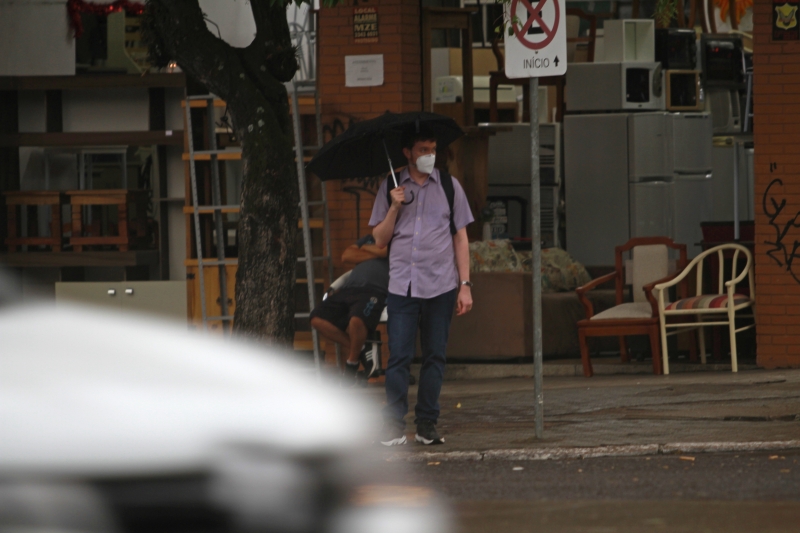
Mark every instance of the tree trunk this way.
pixel 251 81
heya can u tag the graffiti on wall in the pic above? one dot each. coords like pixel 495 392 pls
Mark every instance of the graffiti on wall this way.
pixel 785 247
pixel 336 126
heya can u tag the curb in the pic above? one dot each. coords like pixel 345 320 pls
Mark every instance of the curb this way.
pixel 561 453
pixel 467 371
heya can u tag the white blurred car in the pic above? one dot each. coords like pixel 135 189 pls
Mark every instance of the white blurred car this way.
pixel 117 422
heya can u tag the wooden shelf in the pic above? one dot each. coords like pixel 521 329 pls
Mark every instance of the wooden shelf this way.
pixel 313 223
pixel 305 104
pixel 79 259
pixel 189 210
pixel 232 155
pixel 91 81
pixel 91 138
pixel 203 103
pixel 193 262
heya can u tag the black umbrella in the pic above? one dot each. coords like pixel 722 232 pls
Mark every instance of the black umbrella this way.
pixel 368 147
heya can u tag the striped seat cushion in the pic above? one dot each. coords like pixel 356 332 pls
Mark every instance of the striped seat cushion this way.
pixel 707 301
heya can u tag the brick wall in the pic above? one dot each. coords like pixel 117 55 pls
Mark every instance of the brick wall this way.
pixel 399 42
pixel 777 157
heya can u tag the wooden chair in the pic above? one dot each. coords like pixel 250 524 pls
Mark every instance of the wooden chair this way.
pixel 16 201
pixel 132 224
pixel 704 306
pixel 574 39
pixel 650 265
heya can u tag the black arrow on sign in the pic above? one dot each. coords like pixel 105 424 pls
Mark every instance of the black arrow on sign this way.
pixel 556 61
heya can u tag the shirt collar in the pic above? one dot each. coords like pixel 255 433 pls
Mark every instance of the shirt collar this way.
pixel 405 176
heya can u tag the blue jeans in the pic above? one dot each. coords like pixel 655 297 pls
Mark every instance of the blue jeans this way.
pixel 432 317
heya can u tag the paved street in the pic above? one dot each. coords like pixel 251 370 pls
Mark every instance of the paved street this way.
pixel 754 476
pixel 629 517
pixel 627 453
pixel 730 493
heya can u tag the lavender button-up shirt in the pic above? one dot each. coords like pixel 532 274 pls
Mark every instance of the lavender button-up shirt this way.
pixel 422 253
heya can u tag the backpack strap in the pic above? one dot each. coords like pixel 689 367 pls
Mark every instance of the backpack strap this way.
pixel 449 191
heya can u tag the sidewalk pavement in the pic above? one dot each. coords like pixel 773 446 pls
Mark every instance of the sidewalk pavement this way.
pixel 638 414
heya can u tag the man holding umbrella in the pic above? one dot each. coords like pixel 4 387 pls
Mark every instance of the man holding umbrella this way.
pixel 429 276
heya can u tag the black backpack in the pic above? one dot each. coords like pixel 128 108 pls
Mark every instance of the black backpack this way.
pixel 449 191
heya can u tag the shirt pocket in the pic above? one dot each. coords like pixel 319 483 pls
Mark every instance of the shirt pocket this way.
pixel 437 220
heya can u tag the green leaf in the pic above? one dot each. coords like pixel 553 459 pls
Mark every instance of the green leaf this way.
pixel 510 32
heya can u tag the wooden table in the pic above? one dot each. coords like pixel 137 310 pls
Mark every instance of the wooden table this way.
pixel 132 225
pixel 18 200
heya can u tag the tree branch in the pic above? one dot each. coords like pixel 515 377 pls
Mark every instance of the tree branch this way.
pixel 272 46
pixel 177 30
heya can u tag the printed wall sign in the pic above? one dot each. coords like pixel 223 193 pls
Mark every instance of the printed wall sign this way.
pixel 365 24
pixel 784 21
pixel 363 71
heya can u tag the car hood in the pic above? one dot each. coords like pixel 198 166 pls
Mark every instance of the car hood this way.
pixel 91 392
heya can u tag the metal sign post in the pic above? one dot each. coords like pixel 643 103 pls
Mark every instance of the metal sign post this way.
pixel 536 265
pixel 536 47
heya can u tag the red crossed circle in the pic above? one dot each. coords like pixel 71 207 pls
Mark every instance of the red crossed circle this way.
pixel 533 15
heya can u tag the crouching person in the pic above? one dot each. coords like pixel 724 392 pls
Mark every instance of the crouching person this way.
pixel 351 314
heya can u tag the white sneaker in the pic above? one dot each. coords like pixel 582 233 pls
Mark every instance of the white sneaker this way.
pixel 369 360
pixel 391 435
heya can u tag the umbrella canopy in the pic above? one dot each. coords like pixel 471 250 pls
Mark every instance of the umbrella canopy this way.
pixel 361 151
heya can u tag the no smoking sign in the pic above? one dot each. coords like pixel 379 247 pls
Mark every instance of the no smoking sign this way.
pixel 538 44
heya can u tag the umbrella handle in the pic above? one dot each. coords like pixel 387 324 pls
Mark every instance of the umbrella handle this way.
pixel 391 166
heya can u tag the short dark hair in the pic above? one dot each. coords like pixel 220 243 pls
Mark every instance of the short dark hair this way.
pixel 412 136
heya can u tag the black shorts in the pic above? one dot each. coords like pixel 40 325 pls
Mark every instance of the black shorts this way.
pixel 364 303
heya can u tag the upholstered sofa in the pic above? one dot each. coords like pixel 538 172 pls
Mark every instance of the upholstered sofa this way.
pixel 500 324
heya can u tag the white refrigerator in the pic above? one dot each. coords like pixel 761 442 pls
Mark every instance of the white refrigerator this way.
pixel 635 175
pixel 691 141
pixel 650 175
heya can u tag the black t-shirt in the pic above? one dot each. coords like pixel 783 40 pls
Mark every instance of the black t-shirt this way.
pixel 372 273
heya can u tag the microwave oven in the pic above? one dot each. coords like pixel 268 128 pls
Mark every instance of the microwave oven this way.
pixel 676 48
pixel 627 86
pixel 450 89
pixel 682 90
pixel 723 60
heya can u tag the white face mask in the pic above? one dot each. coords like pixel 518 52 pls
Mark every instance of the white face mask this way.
pixel 425 163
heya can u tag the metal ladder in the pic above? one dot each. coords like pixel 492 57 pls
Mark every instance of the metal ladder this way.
pixel 215 208
pixel 308 258
pixel 748 105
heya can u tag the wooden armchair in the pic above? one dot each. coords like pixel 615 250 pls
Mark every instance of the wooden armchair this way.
pixel 574 38
pixel 649 266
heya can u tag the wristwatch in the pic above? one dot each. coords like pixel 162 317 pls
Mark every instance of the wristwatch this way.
pixel 467 283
